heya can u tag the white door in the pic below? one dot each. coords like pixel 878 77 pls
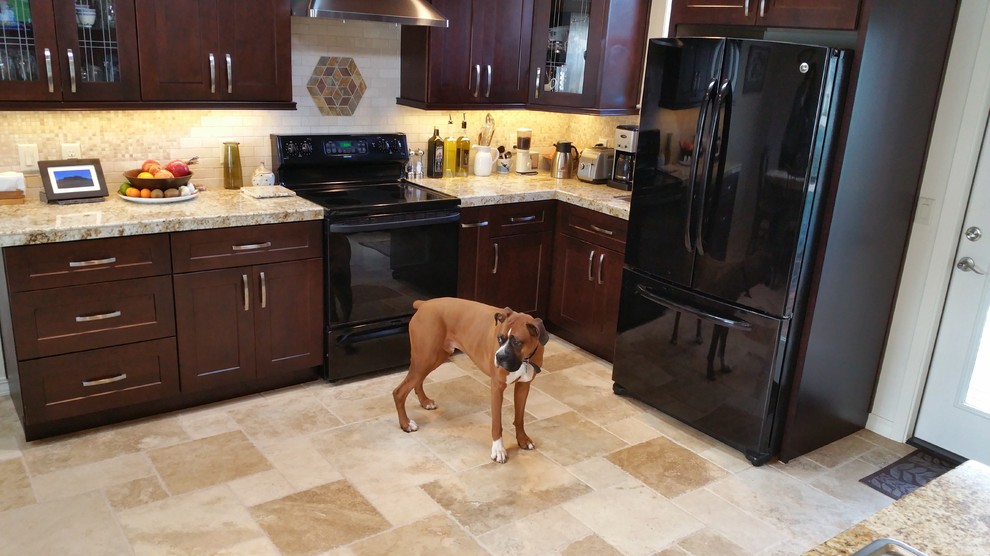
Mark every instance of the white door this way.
pixel 955 408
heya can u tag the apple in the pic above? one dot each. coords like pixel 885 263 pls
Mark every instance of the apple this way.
pixel 163 174
pixel 150 163
pixel 178 168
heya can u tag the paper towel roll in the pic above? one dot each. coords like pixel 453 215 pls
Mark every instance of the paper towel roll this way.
pixel 11 181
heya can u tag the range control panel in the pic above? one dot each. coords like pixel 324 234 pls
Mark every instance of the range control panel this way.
pixel 330 150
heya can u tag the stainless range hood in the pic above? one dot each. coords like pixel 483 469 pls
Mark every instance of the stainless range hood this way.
pixel 403 12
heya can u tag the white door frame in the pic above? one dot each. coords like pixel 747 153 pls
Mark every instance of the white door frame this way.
pixel 957 137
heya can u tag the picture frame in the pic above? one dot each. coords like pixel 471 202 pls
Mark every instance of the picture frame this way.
pixel 756 69
pixel 77 180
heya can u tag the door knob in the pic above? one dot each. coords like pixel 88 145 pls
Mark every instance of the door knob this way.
pixel 973 233
pixel 967 264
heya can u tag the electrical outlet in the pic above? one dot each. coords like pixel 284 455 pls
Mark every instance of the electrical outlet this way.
pixel 70 150
pixel 27 153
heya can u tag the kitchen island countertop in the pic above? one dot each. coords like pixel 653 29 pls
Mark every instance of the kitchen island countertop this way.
pixel 950 515
pixel 37 222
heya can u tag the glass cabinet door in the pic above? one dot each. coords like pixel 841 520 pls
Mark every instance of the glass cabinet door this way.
pixel 565 33
pixel 64 51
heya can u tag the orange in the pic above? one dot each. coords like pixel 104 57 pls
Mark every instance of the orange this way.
pixel 133 192
pixel 146 193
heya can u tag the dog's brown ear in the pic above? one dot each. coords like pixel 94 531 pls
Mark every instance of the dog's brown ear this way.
pixel 502 315
pixel 537 329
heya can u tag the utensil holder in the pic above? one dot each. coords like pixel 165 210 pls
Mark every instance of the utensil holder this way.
pixel 232 178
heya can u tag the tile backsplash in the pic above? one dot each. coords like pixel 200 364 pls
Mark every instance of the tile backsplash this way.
pixel 121 140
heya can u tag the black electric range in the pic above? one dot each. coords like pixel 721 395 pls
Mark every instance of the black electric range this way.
pixel 388 242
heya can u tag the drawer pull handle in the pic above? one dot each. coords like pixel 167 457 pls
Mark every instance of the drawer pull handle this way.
pixel 251 246
pixel 602 230
pixel 108 380
pixel 481 224
pixel 264 291
pixel 247 294
pixel 522 219
pixel 94 262
pixel 88 318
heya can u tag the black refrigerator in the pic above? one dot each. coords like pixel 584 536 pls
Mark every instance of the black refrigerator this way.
pixel 736 139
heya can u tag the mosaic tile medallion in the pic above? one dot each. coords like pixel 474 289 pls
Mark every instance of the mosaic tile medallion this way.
pixel 336 86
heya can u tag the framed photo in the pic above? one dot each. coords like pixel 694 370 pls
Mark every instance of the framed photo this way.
pixel 77 180
pixel 756 69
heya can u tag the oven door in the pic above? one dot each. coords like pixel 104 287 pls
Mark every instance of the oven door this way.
pixel 376 267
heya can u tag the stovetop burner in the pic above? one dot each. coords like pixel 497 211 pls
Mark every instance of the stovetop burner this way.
pixel 353 174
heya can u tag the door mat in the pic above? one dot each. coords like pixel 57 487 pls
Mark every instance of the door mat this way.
pixel 906 474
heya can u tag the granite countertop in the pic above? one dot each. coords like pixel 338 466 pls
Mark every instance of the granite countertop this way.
pixel 499 189
pixel 950 515
pixel 38 222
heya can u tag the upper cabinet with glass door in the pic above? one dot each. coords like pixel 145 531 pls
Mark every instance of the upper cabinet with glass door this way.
pixel 587 55
pixel 60 51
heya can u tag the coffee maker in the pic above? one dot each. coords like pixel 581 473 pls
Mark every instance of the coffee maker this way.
pixel 626 139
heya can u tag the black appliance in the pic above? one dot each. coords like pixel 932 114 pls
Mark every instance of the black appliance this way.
pixel 720 240
pixel 388 242
pixel 626 141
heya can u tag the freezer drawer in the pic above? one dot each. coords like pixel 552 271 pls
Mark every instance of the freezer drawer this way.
pixel 711 365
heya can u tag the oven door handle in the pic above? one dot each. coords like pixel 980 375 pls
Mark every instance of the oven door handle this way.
pixel 387 225
pixel 351 338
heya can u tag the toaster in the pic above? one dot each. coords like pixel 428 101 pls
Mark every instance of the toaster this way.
pixel 595 164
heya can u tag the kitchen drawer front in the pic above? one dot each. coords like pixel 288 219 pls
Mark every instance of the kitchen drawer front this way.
pixel 64 320
pixel 248 245
pixel 591 226
pixel 521 218
pixel 73 263
pixel 98 380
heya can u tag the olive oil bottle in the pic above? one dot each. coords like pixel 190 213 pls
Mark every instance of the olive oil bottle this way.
pixel 463 149
pixel 449 151
pixel 434 155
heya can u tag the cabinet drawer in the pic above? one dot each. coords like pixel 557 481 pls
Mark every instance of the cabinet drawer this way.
pixel 248 245
pixel 521 218
pixel 98 380
pixel 72 263
pixel 63 320
pixel 593 227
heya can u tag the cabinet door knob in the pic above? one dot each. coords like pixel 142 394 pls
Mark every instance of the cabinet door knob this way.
pixel 591 263
pixel 538 82
pixel 601 262
pixel 264 291
pixel 477 79
pixel 495 266
pixel 488 91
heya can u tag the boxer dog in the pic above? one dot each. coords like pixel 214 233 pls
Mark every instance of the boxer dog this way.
pixel 506 345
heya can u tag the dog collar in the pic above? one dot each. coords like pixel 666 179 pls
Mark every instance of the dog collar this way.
pixel 531 364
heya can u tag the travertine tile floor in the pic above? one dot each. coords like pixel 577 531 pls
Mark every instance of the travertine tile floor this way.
pixel 324 469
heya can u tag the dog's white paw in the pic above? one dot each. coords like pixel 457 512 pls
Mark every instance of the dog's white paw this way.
pixel 499 455
pixel 411 427
pixel 431 405
pixel 528 446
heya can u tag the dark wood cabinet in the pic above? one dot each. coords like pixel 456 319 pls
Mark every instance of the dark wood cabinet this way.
pixel 52 55
pixel 505 255
pixel 588 56
pixel 587 278
pixel 103 330
pixel 480 60
pixel 194 50
pixel 246 320
pixel 811 14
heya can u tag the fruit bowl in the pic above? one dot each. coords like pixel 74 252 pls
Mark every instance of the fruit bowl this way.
pixel 154 183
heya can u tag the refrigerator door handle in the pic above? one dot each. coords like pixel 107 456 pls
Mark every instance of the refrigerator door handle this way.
pixel 724 98
pixel 702 116
pixel 727 322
